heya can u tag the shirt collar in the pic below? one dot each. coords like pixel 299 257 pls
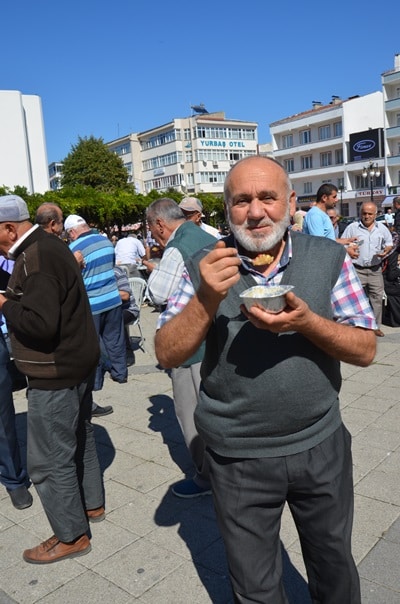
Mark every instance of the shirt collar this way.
pixel 14 248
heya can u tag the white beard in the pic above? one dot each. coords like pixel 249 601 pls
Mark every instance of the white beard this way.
pixel 259 242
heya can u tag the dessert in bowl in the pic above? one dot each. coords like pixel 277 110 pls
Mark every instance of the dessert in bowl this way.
pixel 268 297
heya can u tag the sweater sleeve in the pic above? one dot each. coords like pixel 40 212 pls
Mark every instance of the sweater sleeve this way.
pixel 37 314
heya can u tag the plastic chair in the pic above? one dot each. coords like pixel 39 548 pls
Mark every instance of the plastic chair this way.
pixel 138 287
pixel 125 268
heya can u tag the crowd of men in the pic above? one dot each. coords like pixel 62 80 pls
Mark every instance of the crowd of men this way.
pixel 256 393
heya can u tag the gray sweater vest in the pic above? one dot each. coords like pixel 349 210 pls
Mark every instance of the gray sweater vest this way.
pixel 266 394
pixel 189 239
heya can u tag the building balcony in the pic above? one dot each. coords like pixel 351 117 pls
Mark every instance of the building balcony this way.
pixel 390 77
pixel 328 144
pixel 393 132
pixel 392 105
pixel 394 160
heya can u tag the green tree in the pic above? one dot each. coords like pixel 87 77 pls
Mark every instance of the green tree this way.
pixel 90 163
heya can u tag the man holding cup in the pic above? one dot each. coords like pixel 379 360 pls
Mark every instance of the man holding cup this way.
pixel 374 243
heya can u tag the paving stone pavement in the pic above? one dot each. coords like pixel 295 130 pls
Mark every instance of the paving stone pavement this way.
pixel 154 548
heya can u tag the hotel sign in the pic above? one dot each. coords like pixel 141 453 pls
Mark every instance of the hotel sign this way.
pixel 223 144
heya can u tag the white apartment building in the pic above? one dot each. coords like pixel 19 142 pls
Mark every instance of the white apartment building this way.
pixel 191 154
pixel 334 143
pixel 23 155
pixel 391 97
pixel 55 175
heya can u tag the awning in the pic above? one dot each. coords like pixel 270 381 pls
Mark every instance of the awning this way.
pixel 388 201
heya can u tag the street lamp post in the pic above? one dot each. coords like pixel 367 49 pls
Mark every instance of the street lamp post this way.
pixel 341 187
pixel 373 172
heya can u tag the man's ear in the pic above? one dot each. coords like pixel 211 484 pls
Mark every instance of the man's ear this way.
pixel 292 203
pixel 226 213
pixel 11 231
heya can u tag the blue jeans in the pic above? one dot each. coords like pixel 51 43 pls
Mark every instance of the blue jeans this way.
pixel 12 474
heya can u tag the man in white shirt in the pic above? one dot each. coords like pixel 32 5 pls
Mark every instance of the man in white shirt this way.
pixel 193 210
pixel 374 242
pixel 129 250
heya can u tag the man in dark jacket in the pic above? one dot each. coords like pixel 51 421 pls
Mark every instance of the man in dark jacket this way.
pixel 54 342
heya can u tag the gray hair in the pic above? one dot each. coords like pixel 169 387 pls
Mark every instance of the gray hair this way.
pixel 165 208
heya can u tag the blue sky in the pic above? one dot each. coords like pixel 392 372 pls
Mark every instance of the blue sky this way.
pixel 110 68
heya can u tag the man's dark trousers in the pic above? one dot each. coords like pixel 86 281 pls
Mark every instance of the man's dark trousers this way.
pixel 249 496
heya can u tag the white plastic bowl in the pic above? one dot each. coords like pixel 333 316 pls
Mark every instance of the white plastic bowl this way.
pixel 269 297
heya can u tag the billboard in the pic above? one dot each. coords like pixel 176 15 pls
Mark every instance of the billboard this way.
pixel 366 145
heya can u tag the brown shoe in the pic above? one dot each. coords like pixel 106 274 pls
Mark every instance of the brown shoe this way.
pixel 379 333
pixel 54 550
pixel 96 515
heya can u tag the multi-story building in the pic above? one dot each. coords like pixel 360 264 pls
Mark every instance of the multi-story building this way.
pixel 23 156
pixel 391 97
pixel 191 154
pixel 334 143
pixel 55 175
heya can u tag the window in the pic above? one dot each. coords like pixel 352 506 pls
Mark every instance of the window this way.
pixel 325 159
pixel 338 156
pixel 289 165
pixel 306 162
pixel 345 208
pixel 212 177
pixel 161 139
pixel 121 149
pixel 287 141
pixel 305 137
pixel 162 160
pixel 397 119
pixel 361 182
pixel 307 188
pixel 324 132
pixel 337 129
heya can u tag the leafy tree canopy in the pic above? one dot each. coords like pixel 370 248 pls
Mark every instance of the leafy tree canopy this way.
pixel 106 209
pixel 90 163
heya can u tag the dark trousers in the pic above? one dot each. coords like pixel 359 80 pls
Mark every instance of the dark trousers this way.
pixel 111 331
pixel 62 457
pixel 12 474
pixel 249 496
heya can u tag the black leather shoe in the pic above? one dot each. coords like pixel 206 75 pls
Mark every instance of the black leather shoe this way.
pixel 100 411
pixel 20 497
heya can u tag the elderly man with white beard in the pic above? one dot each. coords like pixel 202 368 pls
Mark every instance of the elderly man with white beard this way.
pixel 269 400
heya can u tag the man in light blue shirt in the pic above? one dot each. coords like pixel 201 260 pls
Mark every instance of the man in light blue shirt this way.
pixel 317 221
pixel 374 242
